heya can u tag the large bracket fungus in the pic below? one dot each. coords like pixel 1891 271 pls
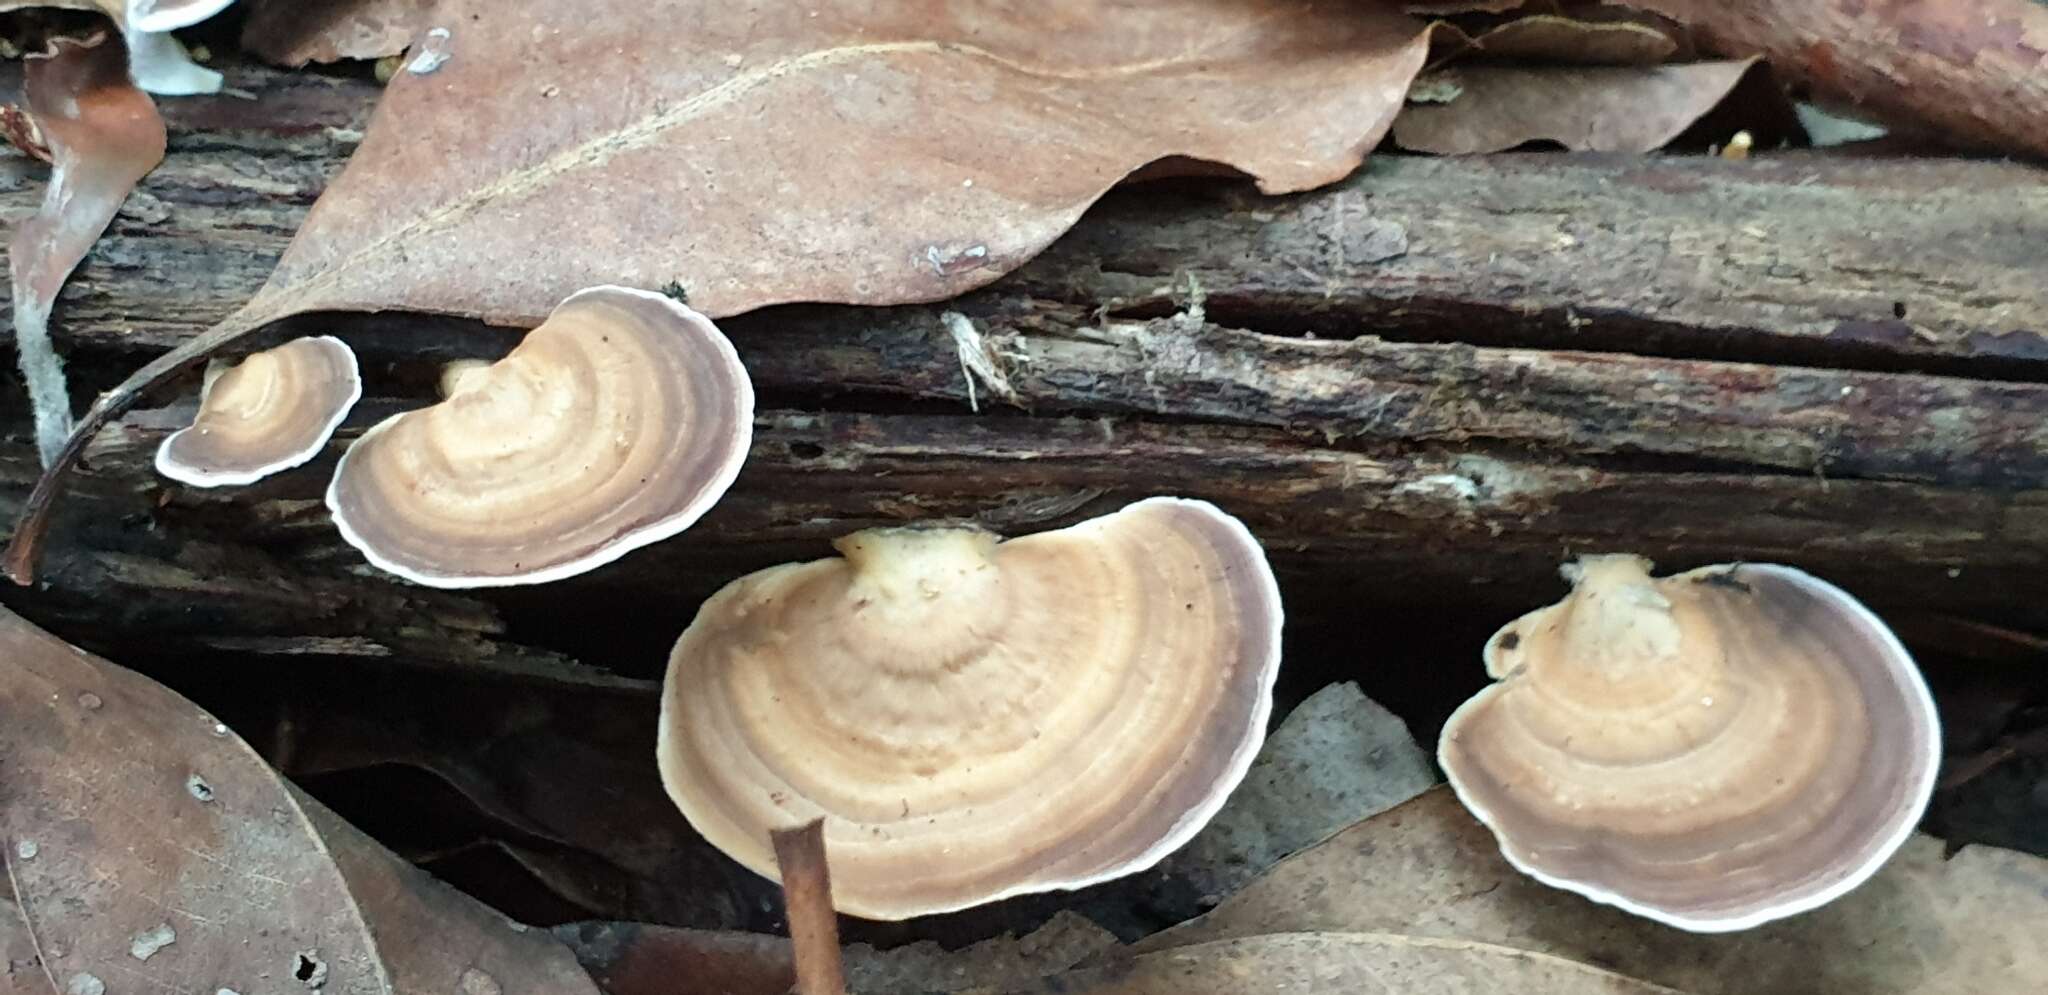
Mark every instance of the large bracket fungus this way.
pixel 1713 750
pixel 976 719
pixel 270 412
pixel 616 423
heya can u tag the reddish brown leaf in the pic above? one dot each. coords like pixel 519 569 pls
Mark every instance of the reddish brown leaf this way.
pixel 149 847
pixel 1923 925
pixel 873 153
pixel 1596 109
pixel 294 32
pixel 784 154
pixel 103 135
pixel 1974 70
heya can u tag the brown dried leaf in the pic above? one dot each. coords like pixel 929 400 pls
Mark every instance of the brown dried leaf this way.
pixel 129 810
pixel 1597 109
pixel 1347 963
pixel 147 846
pixel 874 153
pixel 103 135
pixel 1922 925
pixel 435 939
pixel 295 32
pixel 785 154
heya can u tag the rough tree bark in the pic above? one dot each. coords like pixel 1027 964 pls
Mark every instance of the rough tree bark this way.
pixel 1424 387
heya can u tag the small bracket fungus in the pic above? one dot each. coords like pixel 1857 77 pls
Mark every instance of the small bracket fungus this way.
pixel 617 423
pixel 1713 750
pixel 977 719
pixel 272 411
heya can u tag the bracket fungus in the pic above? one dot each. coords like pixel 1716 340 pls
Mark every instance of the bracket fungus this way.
pixel 1713 750
pixel 616 423
pixel 272 411
pixel 973 718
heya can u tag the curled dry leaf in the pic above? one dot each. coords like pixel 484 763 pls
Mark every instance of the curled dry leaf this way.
pixel 1593 109
pixel 149 847
pixel 870 155
pixel 1924 925
pixel 103 135
pixel 1974 70
pixel 294 32
pixel 1350 963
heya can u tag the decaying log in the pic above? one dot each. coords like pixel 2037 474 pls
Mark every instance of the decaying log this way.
pixel 1421 388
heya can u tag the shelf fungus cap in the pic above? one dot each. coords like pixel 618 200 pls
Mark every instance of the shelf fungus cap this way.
pixel 170 15
pixel 270 412
pixel 1713 750
pixel 616 423
pixel 976 719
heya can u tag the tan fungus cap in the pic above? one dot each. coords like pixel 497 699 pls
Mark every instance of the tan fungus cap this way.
pixel 170 15
pixel 1713 750
pixel 272 411
pixel 976 719
pixel 616 423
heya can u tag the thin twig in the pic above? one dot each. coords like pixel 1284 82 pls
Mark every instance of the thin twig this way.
pixel 807 902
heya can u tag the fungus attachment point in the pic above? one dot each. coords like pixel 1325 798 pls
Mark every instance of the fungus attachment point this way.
pixel 616 423
pixel 272 411
pixel 1713 750
pixel 975 719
